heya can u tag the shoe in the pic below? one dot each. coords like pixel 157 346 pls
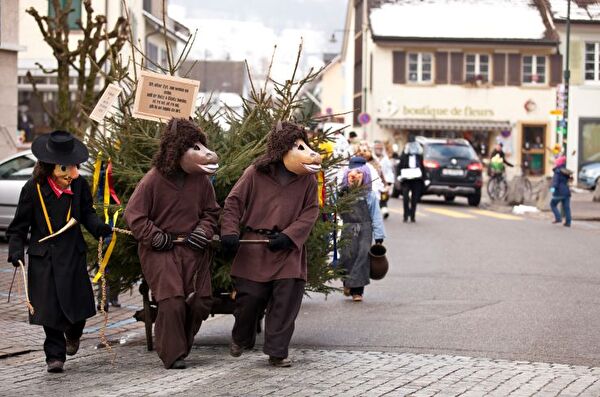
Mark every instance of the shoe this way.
pixel 357 298
pixel 405 220
pixel 554 222
pixel 115 303
pixel 346 291
pixel 55 366
pixel 567 225
pixel 280 362
pixel 178 364
pixel 105 307
pixel 72 346
pixel 412 220
pixel 235 350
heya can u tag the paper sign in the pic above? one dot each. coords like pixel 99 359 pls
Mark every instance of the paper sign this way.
pixel 159 97
pixel 106 101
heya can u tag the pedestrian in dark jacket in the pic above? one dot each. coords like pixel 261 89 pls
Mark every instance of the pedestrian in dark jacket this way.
pixel 560 191
pixel 59 283
pixel 411 172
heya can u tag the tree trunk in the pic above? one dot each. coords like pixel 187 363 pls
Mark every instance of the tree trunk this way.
pixel 543 200
pixel 516 191
pixel 597 191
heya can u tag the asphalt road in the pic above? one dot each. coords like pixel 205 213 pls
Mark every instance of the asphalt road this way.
pixel 466 282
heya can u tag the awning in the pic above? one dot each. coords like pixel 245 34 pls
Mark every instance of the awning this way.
pixel 445 125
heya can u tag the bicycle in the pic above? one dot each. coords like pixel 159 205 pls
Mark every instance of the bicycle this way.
pixel 497 186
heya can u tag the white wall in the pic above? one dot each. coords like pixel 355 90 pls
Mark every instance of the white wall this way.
pixel 584 97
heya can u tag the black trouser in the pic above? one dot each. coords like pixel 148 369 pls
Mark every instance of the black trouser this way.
pixel 281 299
pixel 357 290
pixel 414 187
pixel 55 345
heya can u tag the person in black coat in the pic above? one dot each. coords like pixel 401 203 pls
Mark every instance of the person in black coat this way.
pixel 59 283
pixel 411 172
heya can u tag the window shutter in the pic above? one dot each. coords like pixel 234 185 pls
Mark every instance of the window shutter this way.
pixel 555 69
pixel 456 68
pixel 514 69
pixel 399 67
pixel 441 68
pixel 499 68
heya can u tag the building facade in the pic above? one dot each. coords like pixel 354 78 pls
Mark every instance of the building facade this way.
pixel 484 70
pixel 9 47
pixel 583 128
pixel 145 18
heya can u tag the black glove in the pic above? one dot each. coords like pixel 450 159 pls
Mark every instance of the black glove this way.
pixel 197 239
pixel 162 241
pixel 104 230
pixel 280 242
pixel 230 243
pixel 15 258
pixel 378 241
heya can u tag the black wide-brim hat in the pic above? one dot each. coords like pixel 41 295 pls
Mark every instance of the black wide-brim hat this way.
pixel 59 147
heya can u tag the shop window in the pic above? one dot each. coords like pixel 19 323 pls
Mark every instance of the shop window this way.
pixel 592 62
pixel 74 15
pixel 477 67
pixel 534 69
pixel 533 152
pixel 419 67
pixel 589 141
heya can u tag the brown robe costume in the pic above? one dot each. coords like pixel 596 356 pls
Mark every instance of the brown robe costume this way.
pixel 263 278
pixel 158 204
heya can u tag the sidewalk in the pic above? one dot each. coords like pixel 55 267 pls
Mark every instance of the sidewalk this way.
pixel 212 372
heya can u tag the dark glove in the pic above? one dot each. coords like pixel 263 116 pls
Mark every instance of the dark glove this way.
pixel 15 258
pixel 378 241
pixel 162 241
pixel 197 240
pixel 104 230
pixel 230 243
pixel 280 242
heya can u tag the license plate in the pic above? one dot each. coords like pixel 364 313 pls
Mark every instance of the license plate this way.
pixel 452 172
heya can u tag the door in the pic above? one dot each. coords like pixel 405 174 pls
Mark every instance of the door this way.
pixel 533 152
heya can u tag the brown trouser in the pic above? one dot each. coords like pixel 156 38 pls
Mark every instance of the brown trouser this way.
pixel 177 323
pixel 281 299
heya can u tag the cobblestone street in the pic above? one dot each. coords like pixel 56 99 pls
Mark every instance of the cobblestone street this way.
pixel 212 372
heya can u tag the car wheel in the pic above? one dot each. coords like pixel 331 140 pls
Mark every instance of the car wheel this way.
pixel 449 198
pixel 474 199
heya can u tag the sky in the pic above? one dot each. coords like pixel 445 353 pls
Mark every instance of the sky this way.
pixel 249 30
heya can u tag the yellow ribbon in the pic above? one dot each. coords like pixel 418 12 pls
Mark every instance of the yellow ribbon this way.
pixel 96 178
pixel 106 193
pixel 46 217
pixel 109 250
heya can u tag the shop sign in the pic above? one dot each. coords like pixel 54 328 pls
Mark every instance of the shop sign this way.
pixel 456 111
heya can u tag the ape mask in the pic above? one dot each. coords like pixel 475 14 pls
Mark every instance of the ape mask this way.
pixel 287 143
pixel 183 148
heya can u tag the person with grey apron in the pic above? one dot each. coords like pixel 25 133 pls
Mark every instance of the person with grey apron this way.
pixel 361 225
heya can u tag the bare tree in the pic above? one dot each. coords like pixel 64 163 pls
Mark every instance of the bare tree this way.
pixel 95 50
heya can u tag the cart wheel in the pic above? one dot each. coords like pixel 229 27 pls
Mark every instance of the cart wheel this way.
pixel 147 315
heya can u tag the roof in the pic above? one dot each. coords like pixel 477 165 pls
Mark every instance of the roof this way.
pixel 581 10
pixel 493 20
pixel 217 76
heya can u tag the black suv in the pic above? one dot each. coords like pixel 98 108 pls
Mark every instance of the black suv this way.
pixel 452 169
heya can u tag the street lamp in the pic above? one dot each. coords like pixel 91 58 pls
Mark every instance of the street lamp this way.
pixel 567 77
pixel 332 38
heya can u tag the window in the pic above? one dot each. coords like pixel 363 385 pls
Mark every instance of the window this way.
pixel 534 69
pixel 74 15
pixel 20 168
pixel 164 62
pixel 589 140
pixel 592 62
pixel 147 6
pixel 477 67
pixel 419 67
pixel 152 54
